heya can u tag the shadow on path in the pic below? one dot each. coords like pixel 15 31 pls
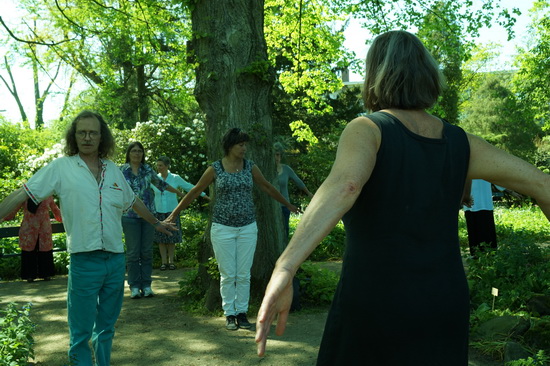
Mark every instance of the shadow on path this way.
pixel 155 331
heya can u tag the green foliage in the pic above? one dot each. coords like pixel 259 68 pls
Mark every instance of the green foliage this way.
pixel 305 48
pixel 303 132
pixel 190 288
pixel 442 27
pixel 531 80
pixel 518 268
pixel 260 69
pixel 212 268
pixel 193 226
pixel 540 359
pixel 16 340
pixel 495 114
pixel 317 285
pixel 131 53
pixel 17 145
pixel 331 248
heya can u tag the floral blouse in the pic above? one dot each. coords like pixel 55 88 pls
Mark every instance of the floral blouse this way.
pixel 141 185
pixel 37 227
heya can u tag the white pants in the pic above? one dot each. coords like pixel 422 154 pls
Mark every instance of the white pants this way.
pixel 234 249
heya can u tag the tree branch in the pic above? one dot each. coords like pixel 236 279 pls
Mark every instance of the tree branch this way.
pixel 12 35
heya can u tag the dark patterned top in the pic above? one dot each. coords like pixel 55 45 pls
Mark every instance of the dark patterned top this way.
pixel 141 185
pixel 233 191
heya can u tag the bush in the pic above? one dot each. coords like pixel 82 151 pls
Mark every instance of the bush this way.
pixel 519 270
pixel 331 248
pixel 16 340
pixel 317 285
pixel 540 359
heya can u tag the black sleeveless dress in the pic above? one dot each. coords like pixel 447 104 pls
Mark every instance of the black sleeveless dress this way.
pixel 403 299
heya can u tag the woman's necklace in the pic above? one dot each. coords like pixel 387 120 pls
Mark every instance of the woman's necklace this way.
pixel 234 166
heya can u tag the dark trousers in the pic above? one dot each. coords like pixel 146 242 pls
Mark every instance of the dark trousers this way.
pixel 37 264
pixel 481 229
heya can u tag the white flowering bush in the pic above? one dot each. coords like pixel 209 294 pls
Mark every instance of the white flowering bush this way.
pixel 185 145
pixel 35 162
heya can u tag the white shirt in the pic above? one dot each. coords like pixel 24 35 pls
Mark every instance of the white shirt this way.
pixel 166 202
pixel 91 212
pixel 482 194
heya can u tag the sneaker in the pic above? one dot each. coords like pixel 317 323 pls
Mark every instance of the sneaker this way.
pixel 148 292
pixel 135 293
pixel 231 323
pixel 242 321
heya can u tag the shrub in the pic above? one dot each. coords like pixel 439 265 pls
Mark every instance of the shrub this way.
pixel 517 269
pixel 540 359
pixel 317 285
pixel 331 248
pixel 16 340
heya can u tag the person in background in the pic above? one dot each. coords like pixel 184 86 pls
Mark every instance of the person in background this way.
pixel 35 238
pixel 284 173
pixel 478 211
pixel 138 234
pixel 234 232
pixel 402 298
pixel 165 202
pixel 93 194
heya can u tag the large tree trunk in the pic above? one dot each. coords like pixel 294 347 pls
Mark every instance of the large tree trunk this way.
pixel 233 87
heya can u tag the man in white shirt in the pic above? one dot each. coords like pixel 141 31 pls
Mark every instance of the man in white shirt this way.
pixel 93 194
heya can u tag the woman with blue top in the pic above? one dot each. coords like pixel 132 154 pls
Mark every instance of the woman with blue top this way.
pixel 234 231
pixel 138 234
pixel 165 202
pixel 284 173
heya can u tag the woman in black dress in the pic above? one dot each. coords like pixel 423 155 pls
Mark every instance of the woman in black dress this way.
pixel 397 183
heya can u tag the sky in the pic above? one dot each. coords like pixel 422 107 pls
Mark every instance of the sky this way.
pixel 355 41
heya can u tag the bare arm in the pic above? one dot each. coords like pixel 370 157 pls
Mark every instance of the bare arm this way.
pixel 203 183
pixel 497 166
pixel 352 168
pixel 12 202
pixel 145 214
pixel 268 188
pixel 169 188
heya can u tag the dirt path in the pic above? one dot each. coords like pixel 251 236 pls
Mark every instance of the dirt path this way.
pixel 154 331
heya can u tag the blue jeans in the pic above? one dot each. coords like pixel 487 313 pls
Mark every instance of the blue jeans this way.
pixel 138 235
pixel 234 249
pixel 94 299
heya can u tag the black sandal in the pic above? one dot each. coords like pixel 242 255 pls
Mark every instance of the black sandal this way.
pixel 172 266
pixel 163 267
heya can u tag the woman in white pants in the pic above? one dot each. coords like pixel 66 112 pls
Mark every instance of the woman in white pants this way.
pixel 234 231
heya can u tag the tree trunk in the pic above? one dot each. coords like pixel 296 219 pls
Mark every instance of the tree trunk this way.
pixel 39 104
pixel 233 87
pixel 143 101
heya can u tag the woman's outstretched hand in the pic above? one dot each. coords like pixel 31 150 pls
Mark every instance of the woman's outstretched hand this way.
pixel 277 301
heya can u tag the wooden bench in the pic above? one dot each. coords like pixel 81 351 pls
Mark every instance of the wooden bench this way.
pixel 13 231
